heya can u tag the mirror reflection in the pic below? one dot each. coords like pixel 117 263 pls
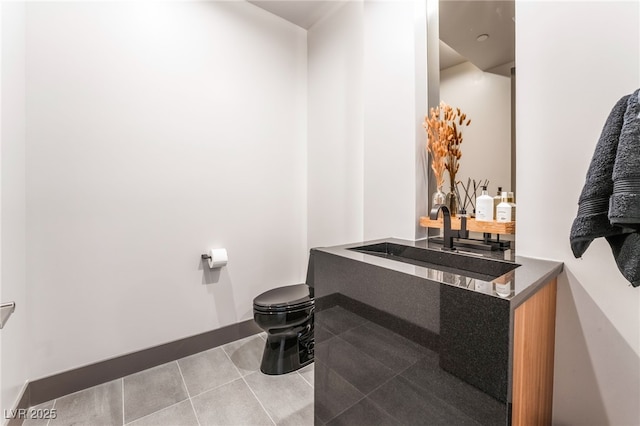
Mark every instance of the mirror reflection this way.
pixel 477 75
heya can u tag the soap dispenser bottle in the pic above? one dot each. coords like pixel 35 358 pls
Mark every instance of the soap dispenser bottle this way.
pixel 496 200
pixel 484 207
pixel 504 210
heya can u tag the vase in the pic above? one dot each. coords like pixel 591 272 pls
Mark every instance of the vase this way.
pixel 452 201
pixel 439 197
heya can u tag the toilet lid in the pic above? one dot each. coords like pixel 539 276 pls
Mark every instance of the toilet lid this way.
pixel 284 298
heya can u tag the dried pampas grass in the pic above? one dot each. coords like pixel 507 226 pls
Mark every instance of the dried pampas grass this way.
pixel 444 139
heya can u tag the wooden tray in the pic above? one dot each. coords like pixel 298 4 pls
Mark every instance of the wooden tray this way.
pixel 473 226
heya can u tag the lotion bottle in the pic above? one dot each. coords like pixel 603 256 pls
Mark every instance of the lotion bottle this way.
pixel 511 200
pixel 484 207
pixel 504 210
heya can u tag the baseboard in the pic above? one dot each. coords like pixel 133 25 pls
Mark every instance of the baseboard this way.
pixel 52 387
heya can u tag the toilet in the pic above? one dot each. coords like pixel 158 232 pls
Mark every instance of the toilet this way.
pixel 286 314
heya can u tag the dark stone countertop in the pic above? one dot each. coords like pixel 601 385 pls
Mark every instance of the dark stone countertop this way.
pixel 515 286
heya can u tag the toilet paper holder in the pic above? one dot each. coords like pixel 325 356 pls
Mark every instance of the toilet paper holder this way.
pixel 217 258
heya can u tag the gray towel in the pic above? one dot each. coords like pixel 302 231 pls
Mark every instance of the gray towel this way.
pixel 626 251
pixel 592 220
pixel 609 205
pixel 624 204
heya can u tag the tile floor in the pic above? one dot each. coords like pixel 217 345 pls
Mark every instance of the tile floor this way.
pixel 221 386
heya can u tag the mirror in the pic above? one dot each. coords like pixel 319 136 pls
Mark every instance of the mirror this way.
pixel 477 75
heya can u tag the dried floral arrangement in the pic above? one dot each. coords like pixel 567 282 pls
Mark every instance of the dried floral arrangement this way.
pixel 444 139
pixel 436 143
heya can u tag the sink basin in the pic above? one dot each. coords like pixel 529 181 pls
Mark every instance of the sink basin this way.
pixel 462 264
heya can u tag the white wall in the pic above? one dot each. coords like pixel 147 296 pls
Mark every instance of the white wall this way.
pixel 394 78
pixel 155 132
pixel 367 97
pixel 14 369
pixel 486 146
pixel 335 135
pixel 574 61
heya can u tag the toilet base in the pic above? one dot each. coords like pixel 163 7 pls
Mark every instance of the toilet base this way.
pixel 286 354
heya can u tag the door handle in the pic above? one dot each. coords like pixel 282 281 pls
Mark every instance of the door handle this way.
pixel 6 309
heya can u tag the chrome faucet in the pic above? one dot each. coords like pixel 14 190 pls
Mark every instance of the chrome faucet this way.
pixel 446 221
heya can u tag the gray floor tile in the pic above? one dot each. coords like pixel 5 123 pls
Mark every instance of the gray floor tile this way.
pixel 207 370
pixel 307 372
pixel 286 397
pixel 302 417
pixel 246 354
pixel 181 414
pixel 152 390
pixel 99 405
pixel 158 396
pixel 41 411
pixel 230 404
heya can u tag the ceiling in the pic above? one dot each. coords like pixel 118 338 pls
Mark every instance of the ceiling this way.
pixel 303 13
pixel 461 22
pixel 449 57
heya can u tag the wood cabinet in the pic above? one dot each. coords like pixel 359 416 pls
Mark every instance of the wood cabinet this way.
pixel 533 351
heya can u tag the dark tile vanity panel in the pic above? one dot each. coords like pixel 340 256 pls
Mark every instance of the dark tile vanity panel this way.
pixel 404 343
pixel 380 288
pixel 474 336
pixel 371 375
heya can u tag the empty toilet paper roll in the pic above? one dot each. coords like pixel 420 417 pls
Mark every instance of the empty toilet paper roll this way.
pixel 217 258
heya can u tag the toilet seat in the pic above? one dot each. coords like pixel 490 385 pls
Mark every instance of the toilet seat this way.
pixel 284 299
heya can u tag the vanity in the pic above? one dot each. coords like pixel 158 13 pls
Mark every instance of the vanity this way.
pixel 408 333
